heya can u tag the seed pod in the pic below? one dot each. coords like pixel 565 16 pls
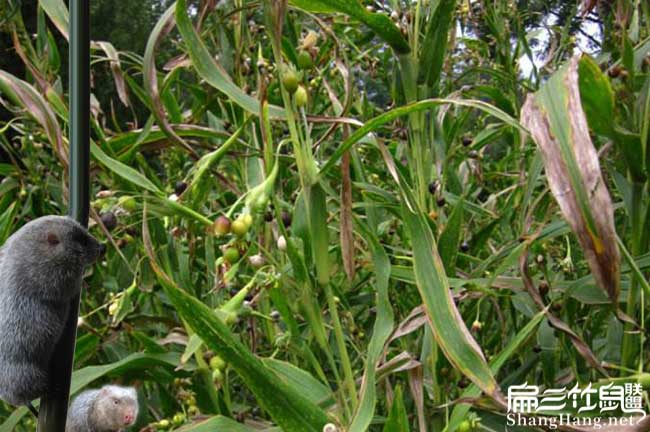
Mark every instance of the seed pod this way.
pixel 217 362
pixel 127 203
pixel 464 426
pixel 304 60
pixel 615 71
pixel 464 247
pixel 467 140
pixel 301 96
pixel 231 255
pixel 217 376
pixel 543 288
pixel 473 154
pixel 441 202
pixel 180 187
pixel 477 325
pixel 239 227
pixel 109 220
pixel 433 186
pixel 286 219
pixel 290 79
pixel 256 261
pixel 178 419
pixel 282 243
pixel 221 226
pixel 275 315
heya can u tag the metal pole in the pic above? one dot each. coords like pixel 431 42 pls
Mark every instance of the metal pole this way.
pixel 54 405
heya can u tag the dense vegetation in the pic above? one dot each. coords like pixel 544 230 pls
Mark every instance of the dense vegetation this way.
pixel 328 212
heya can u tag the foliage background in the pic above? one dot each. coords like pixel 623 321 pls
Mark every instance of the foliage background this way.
pixel 364 241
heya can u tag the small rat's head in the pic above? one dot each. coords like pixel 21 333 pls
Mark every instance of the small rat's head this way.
pixel 58 240
pixel 116 407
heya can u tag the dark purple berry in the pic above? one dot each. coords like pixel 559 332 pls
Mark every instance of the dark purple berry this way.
pixel 109 220
pixel 286 219
pixel 180 187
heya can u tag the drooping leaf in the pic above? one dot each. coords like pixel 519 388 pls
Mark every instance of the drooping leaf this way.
pixel 150 76
pixel 558 125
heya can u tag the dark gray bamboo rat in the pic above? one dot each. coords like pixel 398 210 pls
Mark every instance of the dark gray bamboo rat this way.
pixel 40 265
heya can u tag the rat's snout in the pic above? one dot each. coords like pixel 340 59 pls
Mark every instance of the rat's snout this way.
pixel 129 418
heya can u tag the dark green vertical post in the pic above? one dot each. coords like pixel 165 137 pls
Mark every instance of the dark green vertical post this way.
pixel 54 405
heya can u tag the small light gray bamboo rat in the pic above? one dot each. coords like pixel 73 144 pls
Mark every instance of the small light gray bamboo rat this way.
pixel 40 265
pixel 108 409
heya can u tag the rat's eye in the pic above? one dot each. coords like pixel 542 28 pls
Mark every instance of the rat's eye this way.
pixel 53 239
pixel 116 401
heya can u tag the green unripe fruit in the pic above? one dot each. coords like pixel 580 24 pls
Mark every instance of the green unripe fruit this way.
pixel 290 80
pixel 217 363
pixel 178 419
pixel 464 426
pixel 163 424
pixel 239 227
pixel 301 96
pixel 221 226
pixel 248 220
pixel 128 203
pixel 304 60
pixel 217 376
pixel 231 255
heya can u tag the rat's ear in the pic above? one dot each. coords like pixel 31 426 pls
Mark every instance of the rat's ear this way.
pixel 53 239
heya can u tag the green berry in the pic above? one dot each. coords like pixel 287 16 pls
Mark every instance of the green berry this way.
pixel 301 96
pixel 464 426
pixel 231 255
pixel 217 362
pixel 304 60
pixel 239 227
pixel 217 376
pixel 290 79
pixel 128 203
pixel 178 419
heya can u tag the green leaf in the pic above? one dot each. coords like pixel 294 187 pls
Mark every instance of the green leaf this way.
pixel 57 11
pixel 289 409
pixel 124 171
pixel 150 76
pixel 382 330
pixel 217 423
pixel 597 97
pixel 434 44
pixel 378 23
pixel 424 105
pixel 460 411
pixel 211 71
pixel 447 324
pixel 398 418
pixel 450 239
pixel 24 95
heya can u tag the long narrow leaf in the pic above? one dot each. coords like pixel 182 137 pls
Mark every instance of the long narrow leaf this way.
pixel 291 410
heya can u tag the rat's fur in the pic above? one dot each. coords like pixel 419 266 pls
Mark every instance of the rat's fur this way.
pixel 109 409
pixel 40 268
